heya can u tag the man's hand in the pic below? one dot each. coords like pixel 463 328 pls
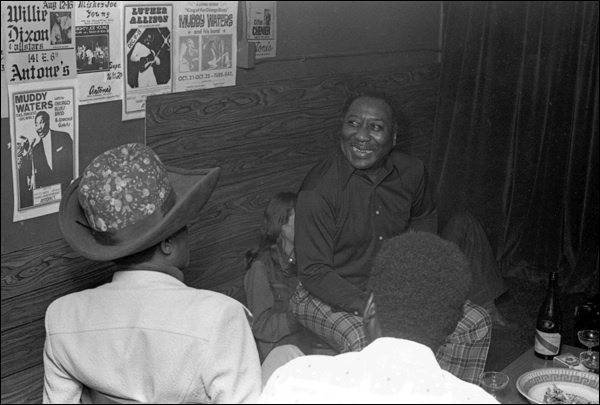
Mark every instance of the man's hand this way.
pixel 371 325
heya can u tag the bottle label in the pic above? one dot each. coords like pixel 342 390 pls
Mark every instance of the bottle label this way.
pixel 547 343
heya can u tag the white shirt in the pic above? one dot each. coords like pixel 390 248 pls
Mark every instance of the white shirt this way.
pixel 389 370
pixel 47 140
pixel 148 337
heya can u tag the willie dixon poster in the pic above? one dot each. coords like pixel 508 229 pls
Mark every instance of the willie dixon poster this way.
pixel 40 41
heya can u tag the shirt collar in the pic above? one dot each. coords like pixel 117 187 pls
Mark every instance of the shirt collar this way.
pixel 347 170
pixel 170 273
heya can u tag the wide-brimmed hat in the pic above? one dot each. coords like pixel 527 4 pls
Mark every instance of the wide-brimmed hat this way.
pixel 127 200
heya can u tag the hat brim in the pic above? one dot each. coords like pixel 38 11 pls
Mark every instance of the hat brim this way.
pixel 192 187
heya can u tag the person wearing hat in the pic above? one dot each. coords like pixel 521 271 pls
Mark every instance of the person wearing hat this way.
pixel 145 336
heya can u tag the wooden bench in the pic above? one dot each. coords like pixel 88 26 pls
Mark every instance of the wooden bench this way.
pixel 264 136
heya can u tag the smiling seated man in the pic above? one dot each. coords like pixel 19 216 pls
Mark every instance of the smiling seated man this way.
pixel 363 193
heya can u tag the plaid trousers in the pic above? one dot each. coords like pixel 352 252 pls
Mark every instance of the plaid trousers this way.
pixel 465 350
pixel 342 330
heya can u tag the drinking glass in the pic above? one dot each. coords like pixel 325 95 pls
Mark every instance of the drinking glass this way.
pixel 493 381
pixel 589 338
pixel 591 360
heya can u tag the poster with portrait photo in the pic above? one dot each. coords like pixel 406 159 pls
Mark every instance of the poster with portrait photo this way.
pixel 39 43
pixel 189 53
pixel 148 60
pixel 216 52
pixel 93 52
pixel 60 28
pixel 44 135
pixel 146 54
pixel 261 22
pixel 206 38
pixel 99 51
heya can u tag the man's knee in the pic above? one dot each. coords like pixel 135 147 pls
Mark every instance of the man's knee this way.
pixel 459 227
pixel 277 358
pixel 463 219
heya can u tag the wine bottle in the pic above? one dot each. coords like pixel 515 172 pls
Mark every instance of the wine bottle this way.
pixel 548 330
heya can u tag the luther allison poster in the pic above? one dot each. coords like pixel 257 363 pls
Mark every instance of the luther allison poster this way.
pixel 147 36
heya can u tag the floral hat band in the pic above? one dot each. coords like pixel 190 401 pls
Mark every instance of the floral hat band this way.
pixel 125 192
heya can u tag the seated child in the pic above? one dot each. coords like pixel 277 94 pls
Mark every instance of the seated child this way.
pixel 272 278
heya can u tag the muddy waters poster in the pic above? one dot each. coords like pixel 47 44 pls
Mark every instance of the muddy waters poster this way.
pixel 206 44
pixel 44 132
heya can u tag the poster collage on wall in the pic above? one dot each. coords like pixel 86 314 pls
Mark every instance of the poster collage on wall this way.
pixel 58 55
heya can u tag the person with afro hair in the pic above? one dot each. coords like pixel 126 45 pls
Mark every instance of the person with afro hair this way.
pixel 420 284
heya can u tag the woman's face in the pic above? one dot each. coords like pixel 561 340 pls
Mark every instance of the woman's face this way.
pixel 287 230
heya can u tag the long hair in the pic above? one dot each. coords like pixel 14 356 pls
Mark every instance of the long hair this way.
pixel 278 212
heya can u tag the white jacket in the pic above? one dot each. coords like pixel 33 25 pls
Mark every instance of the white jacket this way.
pixel 148 337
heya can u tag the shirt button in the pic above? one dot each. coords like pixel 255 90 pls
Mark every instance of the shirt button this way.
pixel 381 238
pixel 377 212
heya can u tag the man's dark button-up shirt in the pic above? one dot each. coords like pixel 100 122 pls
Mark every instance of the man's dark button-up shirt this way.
pixel 343 216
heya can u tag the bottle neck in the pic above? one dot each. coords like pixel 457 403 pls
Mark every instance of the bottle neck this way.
pixel 551 307
pixel 550 293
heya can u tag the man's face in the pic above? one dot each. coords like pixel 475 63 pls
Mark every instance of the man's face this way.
pixel 148 40
pixel 367 132
pixel 41 126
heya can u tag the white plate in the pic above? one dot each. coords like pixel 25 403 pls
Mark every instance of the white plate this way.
pixel 534 384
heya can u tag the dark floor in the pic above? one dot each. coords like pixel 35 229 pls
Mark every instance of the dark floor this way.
pixel 520 305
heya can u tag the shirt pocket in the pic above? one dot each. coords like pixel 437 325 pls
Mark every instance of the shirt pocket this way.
pixel 397 223
pixel 281 298
pixel 401 220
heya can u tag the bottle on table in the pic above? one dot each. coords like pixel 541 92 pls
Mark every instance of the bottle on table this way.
pixel 548 329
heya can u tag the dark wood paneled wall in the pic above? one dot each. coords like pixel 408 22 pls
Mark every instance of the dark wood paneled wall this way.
pixel 265 137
